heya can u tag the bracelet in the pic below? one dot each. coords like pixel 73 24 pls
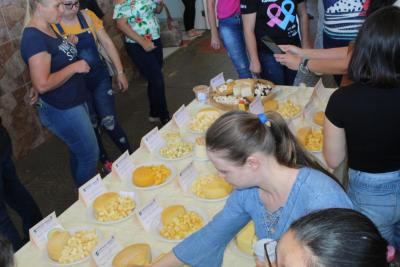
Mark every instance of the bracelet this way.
pixel 120 72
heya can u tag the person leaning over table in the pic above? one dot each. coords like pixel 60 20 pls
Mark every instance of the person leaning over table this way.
pixel 276 182
pixel 363 123
pixel 138 21
pixel 277 20
pixel 334 238
pixel 85 28
pixel 14 195
pixel 325 61
pixel 57 74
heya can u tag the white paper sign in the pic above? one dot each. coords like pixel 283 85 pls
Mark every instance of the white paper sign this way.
pixel 123 166
pixel 149 213
pixel 217 80
pixel 187 176
pixel 181 117
pixel 256 107
pixel 153 140
pixel 105 252
pixel 92 189
pixel 38 233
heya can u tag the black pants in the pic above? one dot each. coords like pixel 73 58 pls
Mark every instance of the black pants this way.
pixel 150 66
pixel 189 14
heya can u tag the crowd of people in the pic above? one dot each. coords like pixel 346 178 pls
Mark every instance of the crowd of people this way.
pixel 278 184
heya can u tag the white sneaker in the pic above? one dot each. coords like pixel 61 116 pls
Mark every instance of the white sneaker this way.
pixel 154 119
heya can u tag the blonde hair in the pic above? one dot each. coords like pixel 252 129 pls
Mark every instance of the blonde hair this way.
pixel 239 134
pixel 30 8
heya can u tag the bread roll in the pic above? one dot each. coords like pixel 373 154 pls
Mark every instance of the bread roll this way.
pixel 143 177
pixel 57 240
pixel 319 118
pixel 171 212
pixel 139 254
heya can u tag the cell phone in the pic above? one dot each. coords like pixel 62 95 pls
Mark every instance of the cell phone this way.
pixel 271 45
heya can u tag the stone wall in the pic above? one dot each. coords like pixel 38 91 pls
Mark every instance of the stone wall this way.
pixel 18 117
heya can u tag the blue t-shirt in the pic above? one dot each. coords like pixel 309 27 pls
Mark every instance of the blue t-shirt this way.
pixel 311 191
pixel 73 92
pixel 343 18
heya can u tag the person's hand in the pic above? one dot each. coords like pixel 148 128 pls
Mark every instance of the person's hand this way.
pixel 255 66
pixel 73 39
pixel 289 60
pixel 148 45
pixel 32 96
pixel 215 41
pixel 122 82
pixel 81 66
pixel 292 49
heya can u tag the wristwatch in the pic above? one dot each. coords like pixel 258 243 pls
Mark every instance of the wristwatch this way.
pixel 303 66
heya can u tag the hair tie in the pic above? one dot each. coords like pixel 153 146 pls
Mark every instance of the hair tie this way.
pixel 263 118
pixel 390 253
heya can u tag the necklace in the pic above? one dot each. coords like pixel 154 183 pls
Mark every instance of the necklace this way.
pixel 271 220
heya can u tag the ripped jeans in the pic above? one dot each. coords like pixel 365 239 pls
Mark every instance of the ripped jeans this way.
pixel 102 111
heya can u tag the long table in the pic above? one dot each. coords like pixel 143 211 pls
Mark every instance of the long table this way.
pixel 131 231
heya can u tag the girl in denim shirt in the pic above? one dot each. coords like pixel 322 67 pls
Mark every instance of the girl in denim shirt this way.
pixel 276 183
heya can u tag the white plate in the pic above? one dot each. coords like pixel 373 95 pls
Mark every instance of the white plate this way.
pixel 169 179
pixel 92 218
pixel 234 248
pixel 188 155
pixel 100 237
pixel 156 225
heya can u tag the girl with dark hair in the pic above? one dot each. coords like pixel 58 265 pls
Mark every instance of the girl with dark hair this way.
pixel 331 238
pixel 363 122
pixel 276 183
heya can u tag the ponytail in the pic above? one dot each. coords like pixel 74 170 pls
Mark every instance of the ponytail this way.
pixel 28 13
pixel 239 134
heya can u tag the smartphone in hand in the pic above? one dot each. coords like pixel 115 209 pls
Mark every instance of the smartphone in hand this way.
pixel 271 45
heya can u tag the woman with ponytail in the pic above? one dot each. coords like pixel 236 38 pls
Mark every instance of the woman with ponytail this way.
pixel 276 182
pixel 57 75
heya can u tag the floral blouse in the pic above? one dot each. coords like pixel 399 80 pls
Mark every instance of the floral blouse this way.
pixel 140 16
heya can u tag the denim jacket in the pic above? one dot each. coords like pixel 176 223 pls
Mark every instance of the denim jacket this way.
pixel 311 191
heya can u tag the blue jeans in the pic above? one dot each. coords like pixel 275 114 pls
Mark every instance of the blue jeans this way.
pixel 377 195
pixel 15 195
pixel 150 66
pixel 101 106
pixel 73 126
pixel 273 71
pixel 231 33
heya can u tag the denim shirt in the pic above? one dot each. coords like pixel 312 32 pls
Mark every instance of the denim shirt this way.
pixel 311 191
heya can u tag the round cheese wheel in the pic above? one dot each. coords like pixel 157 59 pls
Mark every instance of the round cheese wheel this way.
pixel 57 240
pixel 101 202
pixel 143 177
pixel 170 213
pixel 139 254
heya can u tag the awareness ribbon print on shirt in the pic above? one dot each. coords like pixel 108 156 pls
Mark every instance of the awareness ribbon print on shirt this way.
pixel 274 17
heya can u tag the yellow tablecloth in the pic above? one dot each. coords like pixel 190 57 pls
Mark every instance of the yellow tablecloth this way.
pixel 131 231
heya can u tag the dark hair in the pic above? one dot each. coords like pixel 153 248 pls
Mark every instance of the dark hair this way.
pixel 376 55
pixel 374 5
pixel 340 237
pixel 240 134
pixel 6 252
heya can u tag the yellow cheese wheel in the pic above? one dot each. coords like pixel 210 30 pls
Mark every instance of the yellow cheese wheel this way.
pixel 57 240
pixel 143 177
pixel 246 238
pixel 139 254
pixel 101 202
pixel 302 135
pixel 271 105
pixel 171 212
pixel 319 118
pixel 218 188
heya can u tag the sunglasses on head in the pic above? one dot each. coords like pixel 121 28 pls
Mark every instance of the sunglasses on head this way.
pixel 71 5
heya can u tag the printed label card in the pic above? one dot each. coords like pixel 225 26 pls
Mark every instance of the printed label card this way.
pixel 38 233
pixel 181 117
pixel 92 189
pixel 153 140
pixel 217 80
pixel 105 252
pixel 149 213
pixel 123 166
pixel 187 177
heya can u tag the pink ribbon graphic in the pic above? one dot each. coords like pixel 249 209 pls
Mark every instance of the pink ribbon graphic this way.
pixel 274 18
